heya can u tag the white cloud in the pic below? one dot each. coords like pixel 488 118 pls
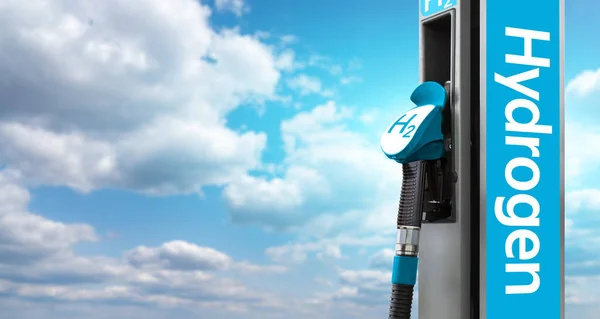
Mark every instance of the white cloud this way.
pixel 262 195
pixel 326 63
pixel 315 190
pixel 337 191
pixel 382 259
pixel 345 80
pixel 238 7
pixel 48 157
pixel 26 237
pixel 582 152
pixel 291 253
pixel 582 205
pixel 582 261
pixel 298 252
pixel 38 262
pixel 584 83
pixel 588 199
pixel 369 289
pixel 152 154
pixel 330 252
pixel 582 208
pixel 179 255
pixel 286 61
pixel 135 95
pixel 289 39
pixel 246 267
pixel 336 69
pixel 128 94
pixel 582 290
pixel 318 60
pixel 305 84
pixel 367 279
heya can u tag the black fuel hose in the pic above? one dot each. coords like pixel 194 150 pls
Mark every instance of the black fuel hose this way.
pixel 404 272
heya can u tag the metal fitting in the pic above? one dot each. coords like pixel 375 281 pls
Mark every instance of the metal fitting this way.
pixel 407 241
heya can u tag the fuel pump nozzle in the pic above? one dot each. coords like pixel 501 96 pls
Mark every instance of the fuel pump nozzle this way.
pixel 417 141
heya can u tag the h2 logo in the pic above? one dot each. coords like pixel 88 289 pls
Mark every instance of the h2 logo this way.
pixel 405 126
pixel 431 7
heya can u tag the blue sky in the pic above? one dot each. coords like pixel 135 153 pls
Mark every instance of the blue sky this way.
pixel 220 159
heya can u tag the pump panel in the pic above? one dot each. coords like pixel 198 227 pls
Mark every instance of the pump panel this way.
pixel 522 175
pixel 445 267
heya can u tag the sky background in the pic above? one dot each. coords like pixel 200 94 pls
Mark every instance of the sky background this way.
pixel 220 159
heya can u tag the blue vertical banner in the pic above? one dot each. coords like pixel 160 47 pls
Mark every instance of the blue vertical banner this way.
pixel 523 161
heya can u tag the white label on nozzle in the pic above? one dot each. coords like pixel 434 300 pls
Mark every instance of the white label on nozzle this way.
pixel 397 137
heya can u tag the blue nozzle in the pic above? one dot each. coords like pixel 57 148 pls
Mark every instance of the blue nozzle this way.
pixel 417 134
pixel 429 93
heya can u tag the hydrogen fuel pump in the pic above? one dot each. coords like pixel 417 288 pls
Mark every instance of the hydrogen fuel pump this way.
pixel 435 217
pixel 481 212
pixel 419 140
